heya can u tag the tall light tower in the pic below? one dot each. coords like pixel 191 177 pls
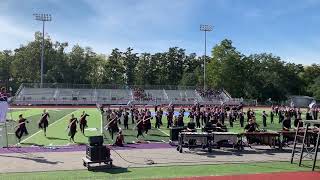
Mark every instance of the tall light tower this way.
pixel 43 18
pixel 205 28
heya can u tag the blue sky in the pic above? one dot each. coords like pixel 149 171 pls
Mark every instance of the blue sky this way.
pixel 287 28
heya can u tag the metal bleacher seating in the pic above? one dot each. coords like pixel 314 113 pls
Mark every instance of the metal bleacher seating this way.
pixel 85 94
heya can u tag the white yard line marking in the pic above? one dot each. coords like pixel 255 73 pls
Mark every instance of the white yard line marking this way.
pixel 48 127
pixel 164 132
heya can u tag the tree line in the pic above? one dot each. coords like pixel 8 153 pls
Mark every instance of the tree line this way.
pixel 259 76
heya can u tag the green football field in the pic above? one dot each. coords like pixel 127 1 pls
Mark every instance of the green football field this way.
pixel 59 118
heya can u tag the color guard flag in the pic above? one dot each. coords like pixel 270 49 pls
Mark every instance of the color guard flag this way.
pixel 312 104
pixel 3 111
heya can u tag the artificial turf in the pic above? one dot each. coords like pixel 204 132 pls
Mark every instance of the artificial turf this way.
pixel 57 134
pixel 163 172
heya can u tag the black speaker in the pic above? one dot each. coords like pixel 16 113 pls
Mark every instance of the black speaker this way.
pixel 174 132
pixel 97 153
pixel 95 140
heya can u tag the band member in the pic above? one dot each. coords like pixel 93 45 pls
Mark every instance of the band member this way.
pixel 72 126
pixel 113 124
pixel 286 123
pixel 197 115
pixel 249 115
pixel 132 112
pixel 126 119
pixel 3 94
pixel 158 119
pixel 252 126
pixel 271 116
pixel 222 115
pixel 101 109
pixel 119 114
pixel 147 121
pixel 191 127
pixel 191 115
pixel 44 122
pixel 298 121
pixel 119 139
pixel 140 125
pixel 180 122
pixel 276 110
pixel 83 121
pixel 161 114
pixel 169 118
pixel 231 118
pixel 264 118
pixel 22 129
pixel 281 116
pixel 241 119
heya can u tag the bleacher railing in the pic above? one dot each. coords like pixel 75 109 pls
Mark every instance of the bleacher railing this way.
pixel 105 86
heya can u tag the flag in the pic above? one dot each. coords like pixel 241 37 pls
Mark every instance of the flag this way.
pixel 291 104
pixel 3 111
pixel 312 104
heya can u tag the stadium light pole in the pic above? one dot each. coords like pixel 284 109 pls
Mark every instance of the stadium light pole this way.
pixel 43 18
pixel 206 28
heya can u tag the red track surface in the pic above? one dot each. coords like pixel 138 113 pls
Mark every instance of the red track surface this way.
pixel 268 176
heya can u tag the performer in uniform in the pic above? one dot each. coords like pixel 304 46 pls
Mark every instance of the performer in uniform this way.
pixel 241 119
pixel 119 139
pixel 252 126
pixel 197 115
pixel 113 124
pixel 271 116
pixel 169 117
pixel 22 129
pixel 83 121
pixel 132 112
pixel 140 125
pixel 158 119
pixel 180 122
pixel 286 123
pixel 147 121
pixel 126 119
pixel 72 127
pixel 264 118
pixel 191 127
pixel 44 122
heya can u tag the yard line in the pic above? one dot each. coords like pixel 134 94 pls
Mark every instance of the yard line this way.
pixel 48 127
pixel 164 132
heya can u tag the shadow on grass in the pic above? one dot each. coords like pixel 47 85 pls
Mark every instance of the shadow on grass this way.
pixel 309 165
pixel 158 135
pixel 33 144
pixel 56 138
pixel 107 169
pixel 81 144
pixel 36 159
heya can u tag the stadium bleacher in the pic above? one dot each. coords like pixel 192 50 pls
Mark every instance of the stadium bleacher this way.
pixel 76 94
